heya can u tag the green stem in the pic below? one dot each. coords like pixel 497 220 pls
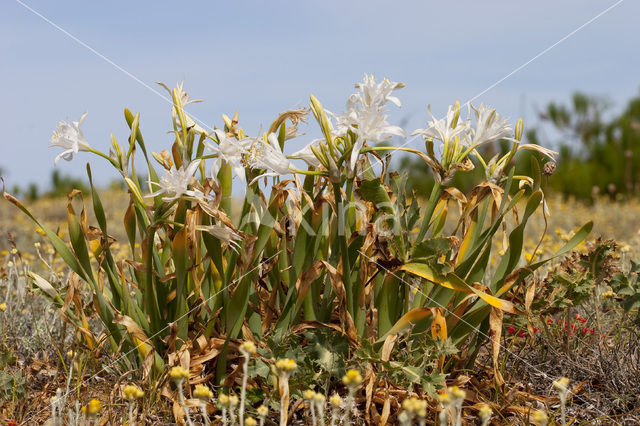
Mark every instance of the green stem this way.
pixel 106 157
pixel 344 247
pixel 431 206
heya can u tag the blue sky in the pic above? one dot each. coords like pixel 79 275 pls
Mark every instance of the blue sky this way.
pixel 264 57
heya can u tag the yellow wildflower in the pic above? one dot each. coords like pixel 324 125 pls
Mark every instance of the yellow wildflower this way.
pixel 540 418
pixel 233 400
pixel 262 411
pixel 223 400
pixel 3 306
pixel 179 373
pixel 93 408
pixel 457 393
pixel 250 421
pixel 485 412
pixel 132 392
pixel 248 348
pixel 352 378
pixel 444 399
pixel 286 365
pixel 202 392
pixel 319 398
pixel 335 400
pixel 561 385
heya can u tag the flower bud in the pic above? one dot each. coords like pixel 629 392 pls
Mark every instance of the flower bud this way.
pixel 519 129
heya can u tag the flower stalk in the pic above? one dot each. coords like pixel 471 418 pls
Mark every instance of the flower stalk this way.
pixel 246 349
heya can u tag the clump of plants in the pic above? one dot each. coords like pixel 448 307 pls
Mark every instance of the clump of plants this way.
pixel 325 238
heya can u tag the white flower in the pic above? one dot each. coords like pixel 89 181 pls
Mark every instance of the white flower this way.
pixel 446 128
pixel 69 137
pixel 268 156
pixel 223 233
pixel 542 150
pixel 184 100
pixel 307 155
pixel 230 150
pixel 175 183
pixel 489 126
pixel 366 115
pixel 372 93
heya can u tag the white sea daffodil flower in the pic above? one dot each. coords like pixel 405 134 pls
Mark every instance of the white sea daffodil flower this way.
pixel 372 93
pixel 223 233
pixel 454 135
pixel 306 154
pixel 70 138
pixel 366 115
pixel 175 183
pixel 231 150
pixel 445 129
pixel 489 127
pixel 268 155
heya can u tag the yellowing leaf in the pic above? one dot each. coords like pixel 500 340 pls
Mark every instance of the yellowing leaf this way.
pixel 454 282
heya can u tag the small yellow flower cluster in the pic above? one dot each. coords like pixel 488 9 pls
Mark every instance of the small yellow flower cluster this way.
pixel 262 411
pixel 286 365
pixel 416 407
pixel 202 393
pixel 608 293
pixel 485 413
pixel 247 348
pixel 93 408
pixel 444 399
pixel 3 306
pixel 132 392
pixel 352 379
pixel 561 385
pixel 540 418
pixel 178 374
pixel 335 400
pixel 314 397
pixel 227 401
pixel 250 421
pixel 457 394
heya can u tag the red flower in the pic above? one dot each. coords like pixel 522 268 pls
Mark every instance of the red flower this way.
pixel 549 321
pixel 535 329
pixel 582 320
pixel 576 316
pixel 520 333
pixel 592 331
pixel 511 330
pixel 573 325
pixel 585 330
